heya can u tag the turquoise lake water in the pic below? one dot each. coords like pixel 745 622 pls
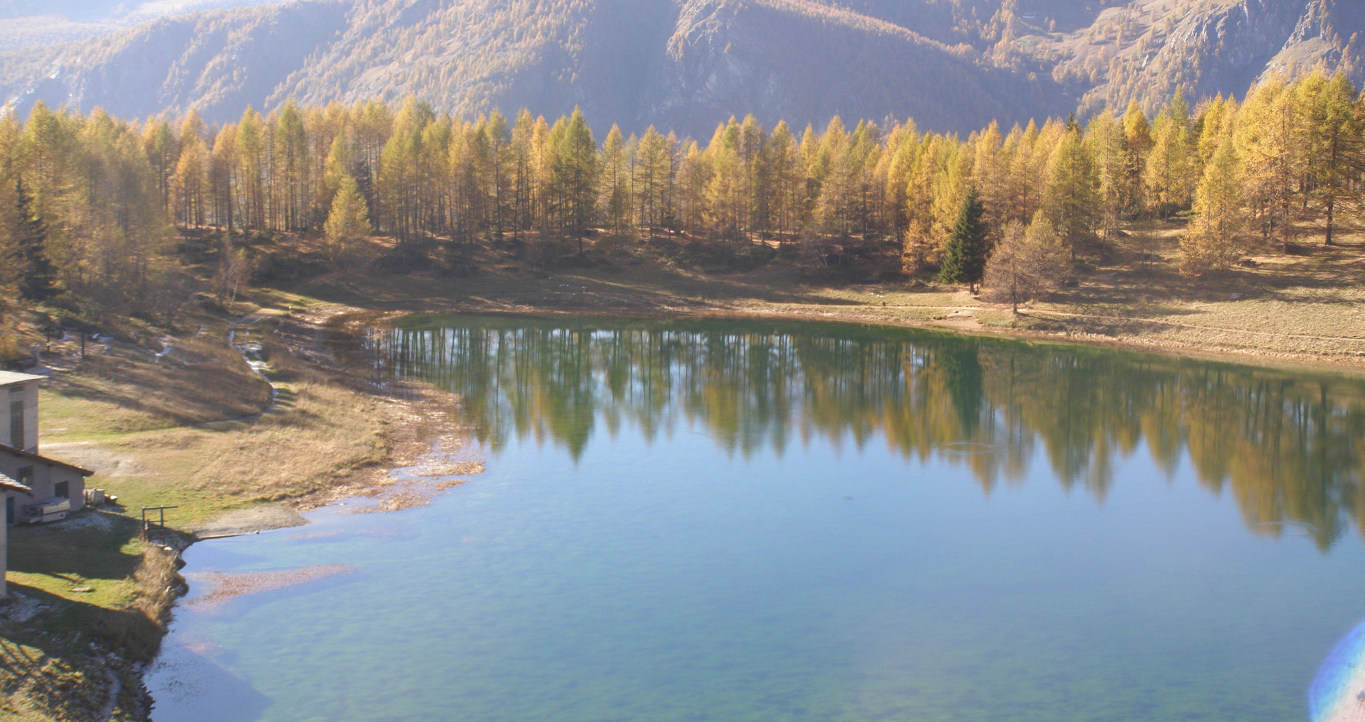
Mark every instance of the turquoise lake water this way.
pixel 755 521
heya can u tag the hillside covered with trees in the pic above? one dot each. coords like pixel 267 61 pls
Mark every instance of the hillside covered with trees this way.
pixel 953 65
pixel 36 23
pixel 89 204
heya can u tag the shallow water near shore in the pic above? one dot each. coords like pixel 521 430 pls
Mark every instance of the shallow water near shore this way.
pixel 749 521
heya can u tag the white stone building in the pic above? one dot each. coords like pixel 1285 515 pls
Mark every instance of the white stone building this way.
pixel 51 488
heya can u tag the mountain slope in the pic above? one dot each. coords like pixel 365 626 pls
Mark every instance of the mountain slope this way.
pixel 1218 46
pixel 35 23
pixel 686 66
pixel 689 64
pixel 215 62
pixel 790 60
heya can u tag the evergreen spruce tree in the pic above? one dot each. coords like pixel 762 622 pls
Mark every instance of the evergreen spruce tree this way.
pixel 964 258
pixel 38 277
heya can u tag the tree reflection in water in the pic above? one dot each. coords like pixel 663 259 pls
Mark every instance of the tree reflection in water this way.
pixel 1286 445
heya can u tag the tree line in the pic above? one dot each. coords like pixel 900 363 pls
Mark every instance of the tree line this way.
pixel 93 202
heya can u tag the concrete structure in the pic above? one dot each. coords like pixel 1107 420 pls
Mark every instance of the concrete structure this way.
pixel 51 488
pixel 8 488
pixel 19 411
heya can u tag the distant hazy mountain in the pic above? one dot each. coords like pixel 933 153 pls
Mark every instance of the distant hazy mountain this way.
pixel 36 23
pixel 682 64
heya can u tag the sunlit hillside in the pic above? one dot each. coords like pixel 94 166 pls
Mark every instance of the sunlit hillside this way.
pixel 684 64
pixel 38 23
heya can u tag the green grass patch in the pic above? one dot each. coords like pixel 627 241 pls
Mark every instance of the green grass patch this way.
pixel 92 549
pixel 78 589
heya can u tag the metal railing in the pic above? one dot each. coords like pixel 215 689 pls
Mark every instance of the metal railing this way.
pixel 160 523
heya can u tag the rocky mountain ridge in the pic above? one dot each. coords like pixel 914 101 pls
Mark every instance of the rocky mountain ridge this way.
pixel 689 64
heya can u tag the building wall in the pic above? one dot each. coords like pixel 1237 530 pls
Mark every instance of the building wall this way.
pixel 7 493
pixel 43 478
pixel 4 547
pixel 25 393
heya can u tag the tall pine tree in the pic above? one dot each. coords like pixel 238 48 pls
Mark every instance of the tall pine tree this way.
pixel 38 277
pixel 964 258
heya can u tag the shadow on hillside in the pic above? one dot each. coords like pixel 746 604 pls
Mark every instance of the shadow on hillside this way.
pixel 588 290
pixel 135 635
pixel 179 394
pixel 1140 277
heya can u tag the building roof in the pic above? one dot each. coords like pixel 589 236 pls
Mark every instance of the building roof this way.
pixel 9 378
pixel 37 457
pixel 9 484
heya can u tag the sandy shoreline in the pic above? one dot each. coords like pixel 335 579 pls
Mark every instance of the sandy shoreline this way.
pixel 426 447
pixel 961 321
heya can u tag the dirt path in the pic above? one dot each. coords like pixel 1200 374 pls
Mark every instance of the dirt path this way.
pixel 253 520
pixel 250 351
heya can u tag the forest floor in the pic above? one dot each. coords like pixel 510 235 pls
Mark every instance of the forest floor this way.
pixel 180 416
pixel 1305 308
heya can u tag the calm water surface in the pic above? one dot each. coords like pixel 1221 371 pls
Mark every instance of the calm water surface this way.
pixel 747 521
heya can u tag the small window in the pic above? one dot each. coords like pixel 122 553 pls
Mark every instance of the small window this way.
pixel 62 489
pixel 25 476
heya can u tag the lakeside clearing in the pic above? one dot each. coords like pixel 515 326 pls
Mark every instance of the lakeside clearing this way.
pixel 179 417
pixel 1276 308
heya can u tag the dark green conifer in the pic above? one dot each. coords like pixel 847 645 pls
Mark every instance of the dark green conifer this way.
pixel 964 258
pixel 37 276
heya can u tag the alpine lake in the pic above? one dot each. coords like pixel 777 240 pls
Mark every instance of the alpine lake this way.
pixel 750 520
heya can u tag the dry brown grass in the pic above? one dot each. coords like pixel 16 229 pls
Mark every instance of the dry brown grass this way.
pixel 1299 308
pixel 324 433
pixel 225 447
pixel 121 387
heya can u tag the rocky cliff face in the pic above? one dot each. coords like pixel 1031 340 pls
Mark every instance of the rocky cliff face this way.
pixel 1207 53
pixel 1224 48
pixel 1330 34
pixel 690 64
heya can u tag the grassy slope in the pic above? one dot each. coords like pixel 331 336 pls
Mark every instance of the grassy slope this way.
pixel 1301 307
pixel 197 429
